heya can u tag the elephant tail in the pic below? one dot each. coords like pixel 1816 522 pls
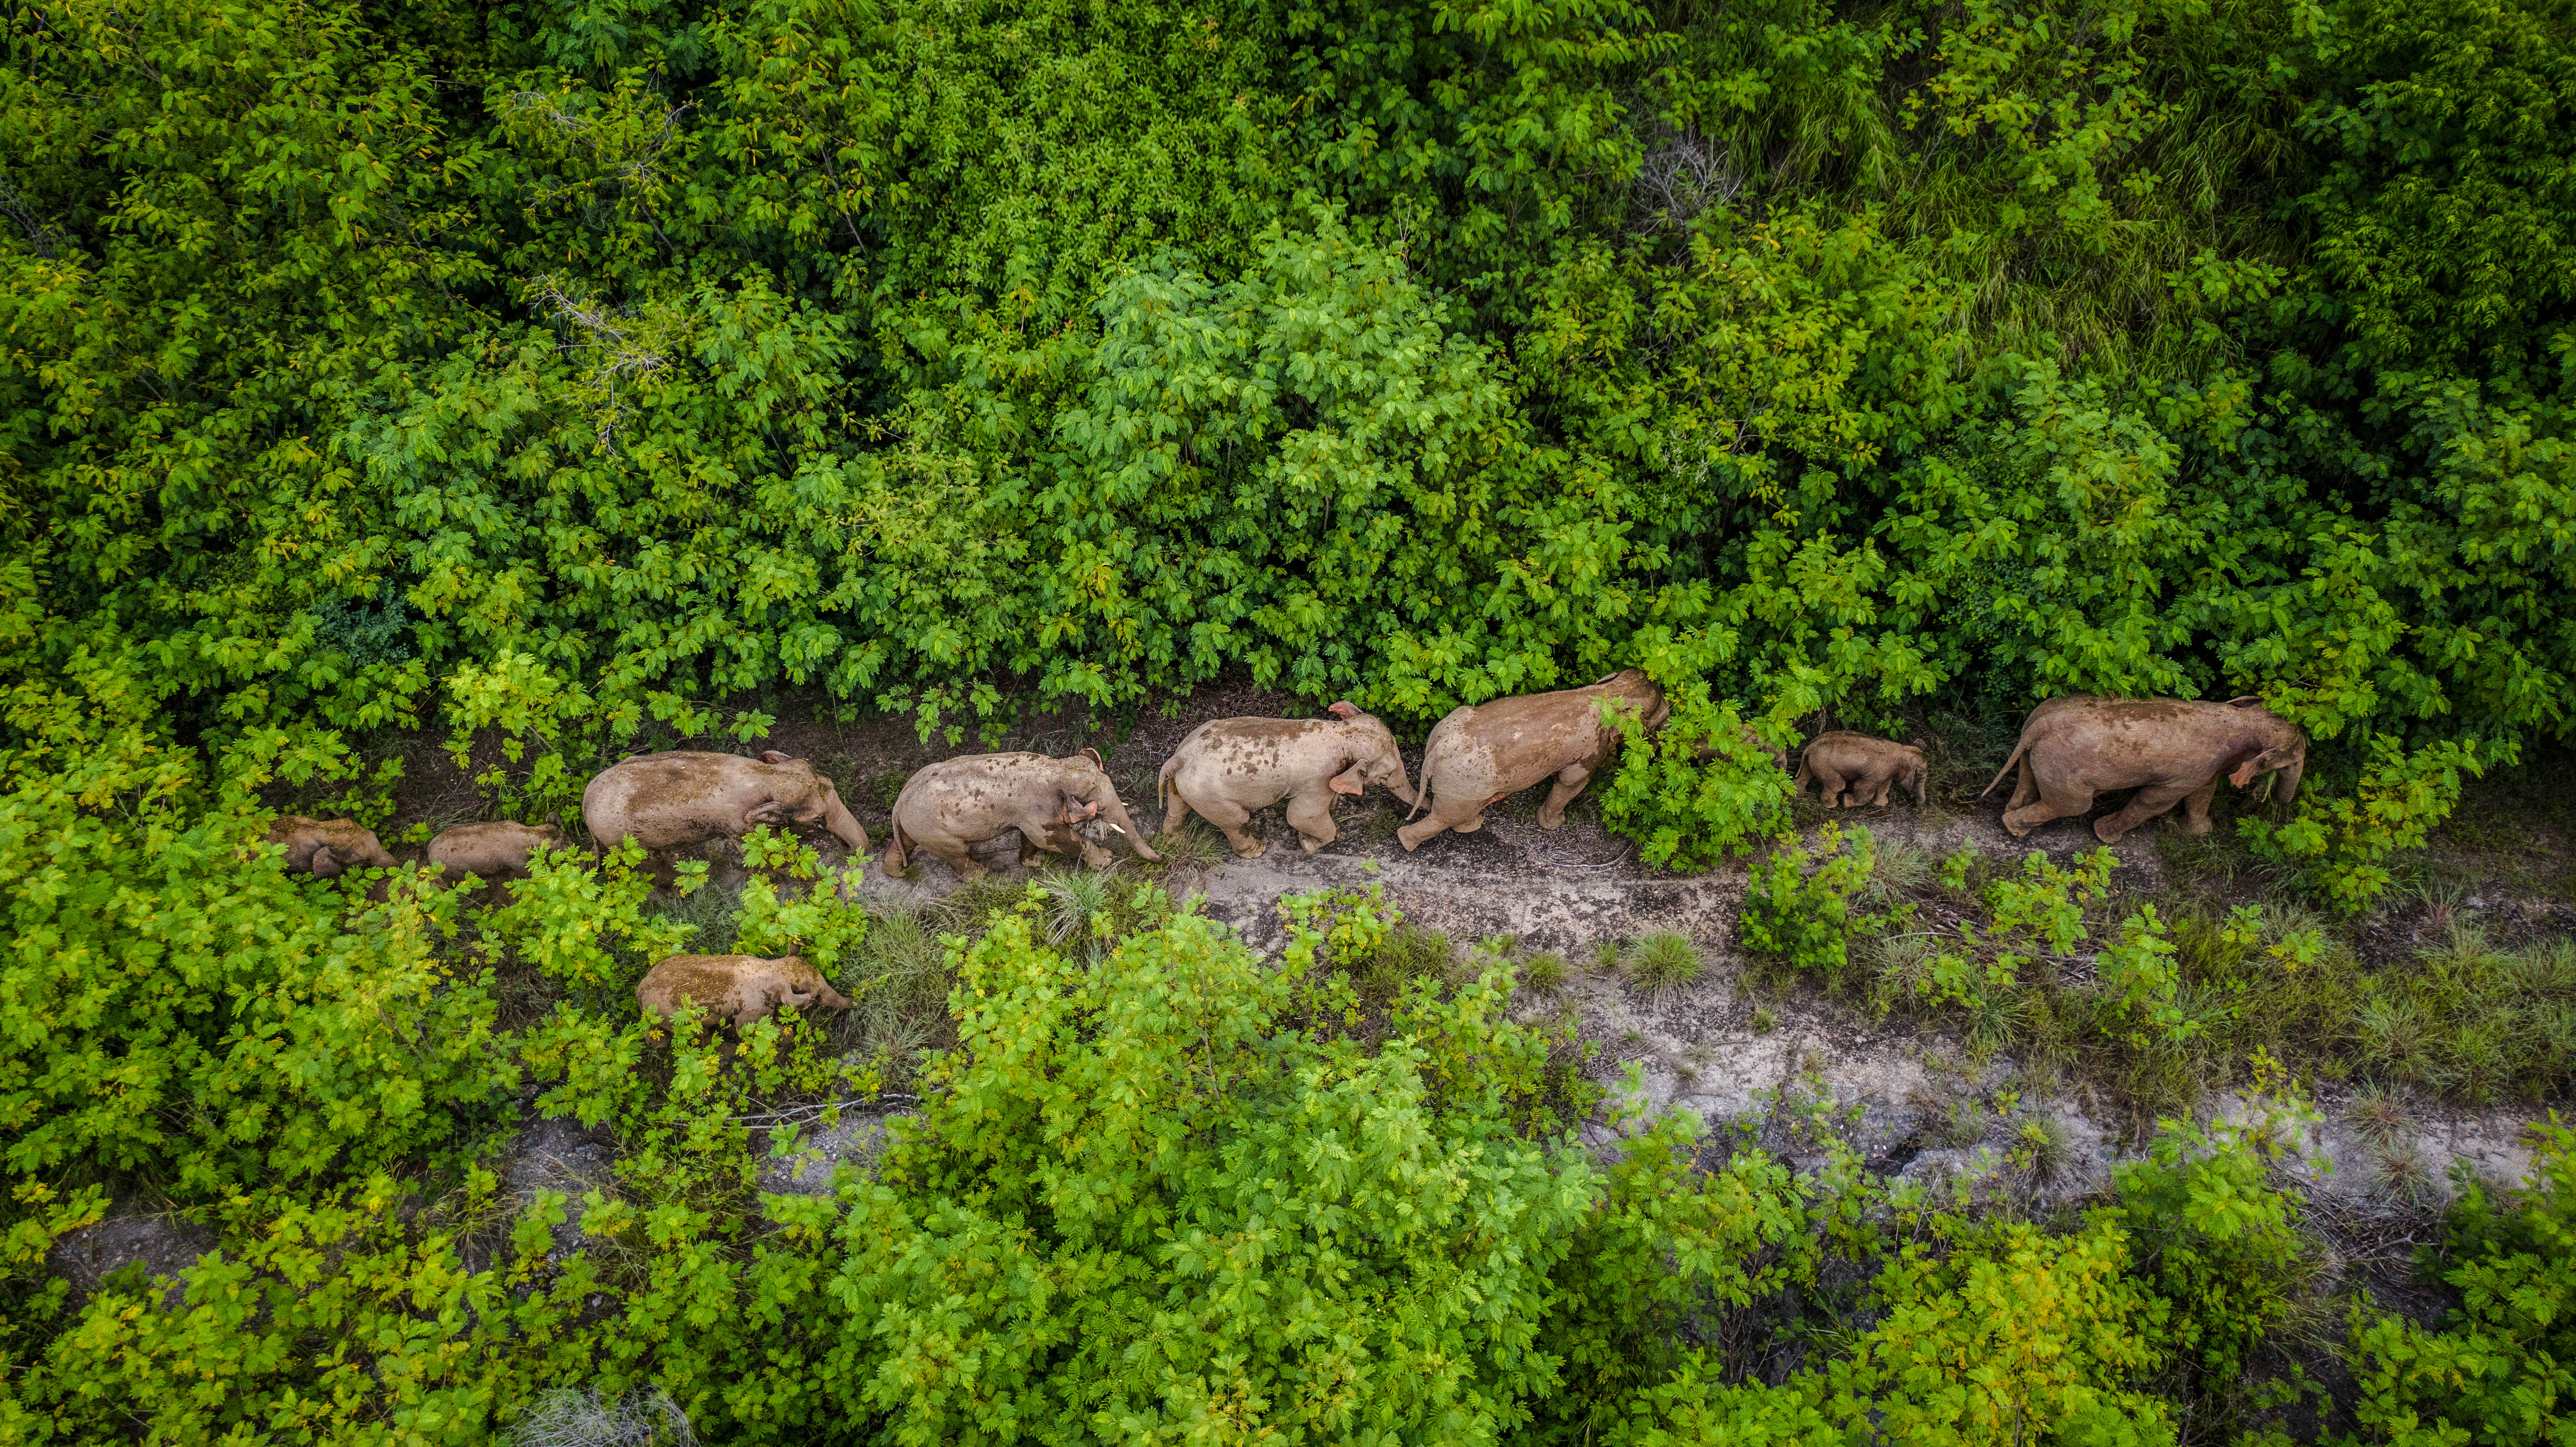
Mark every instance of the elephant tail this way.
pixel 1422 784
pixel 2019 749
pixel 1163 783
pixel 894 865
pixel 1802 773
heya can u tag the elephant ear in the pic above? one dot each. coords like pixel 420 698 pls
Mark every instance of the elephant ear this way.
pixel 765 812
pixel 2247 700
pixel 773 756
pixel 1349 781
pixel 2243 774
pixel 324 864
pixel 1345 710
pixel 1097 762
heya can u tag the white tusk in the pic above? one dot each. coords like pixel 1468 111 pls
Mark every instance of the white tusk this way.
pixel 1114 828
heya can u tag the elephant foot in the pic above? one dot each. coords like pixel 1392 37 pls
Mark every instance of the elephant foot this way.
pixel 1251 849
pixel 2196 826
pixel 1412 835
pixel 1544 822
pixel 2104 831
pixel 1470 827
pixel 1314 844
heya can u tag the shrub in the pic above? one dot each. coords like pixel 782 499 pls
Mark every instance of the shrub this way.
pixel 1806 915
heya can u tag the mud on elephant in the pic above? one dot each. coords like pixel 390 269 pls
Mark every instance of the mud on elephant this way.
pixel 1226 768
pixel 680 800
pixel 1484 752
pixel 495 853
pixel 327 847
pixel 1857 769
pixel 740 988
pixel 2170 750
pixel 1055 804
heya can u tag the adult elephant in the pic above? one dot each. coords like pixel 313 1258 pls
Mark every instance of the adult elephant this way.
pixel 2171 750
pixel 1227 768
pixel 950 805
pixel 682 799
pixel 1483 752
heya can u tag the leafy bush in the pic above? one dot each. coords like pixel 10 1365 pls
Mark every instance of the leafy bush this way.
pixel 2340 841
pixel 2497 1370
pixel 1806 916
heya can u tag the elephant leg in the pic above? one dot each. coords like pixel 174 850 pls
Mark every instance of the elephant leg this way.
pixel 2146 804
pixel 1177 815
pixel 2050 803
pixel 2195 806
pixel 1829 786
pixel 1876 787
pixel 1310 813
pixel 1445 814
pixel 952 852
pixel 2025 789
pixel 1229 819
pixel 1569 782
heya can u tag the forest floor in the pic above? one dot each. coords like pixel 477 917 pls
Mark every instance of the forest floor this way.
pixel 1775 1060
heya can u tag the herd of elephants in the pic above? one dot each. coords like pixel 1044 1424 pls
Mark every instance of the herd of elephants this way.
pixel 2072 749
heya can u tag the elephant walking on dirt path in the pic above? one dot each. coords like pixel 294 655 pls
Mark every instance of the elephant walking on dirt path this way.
pixel 2170 750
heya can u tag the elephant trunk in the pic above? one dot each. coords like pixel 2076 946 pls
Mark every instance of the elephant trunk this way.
pixel 1402 791
pixel 1118 816
pixel 843 824
pixel 2289 776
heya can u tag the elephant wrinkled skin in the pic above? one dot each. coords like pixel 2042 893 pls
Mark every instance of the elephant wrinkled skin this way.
pixel 2168 749
pixel 326 847
pixel 1857 769
pixel 1229 767
pixel 740 988
pixel 950 805
pixel 1485 752
pixel 680 799
pixel 494 853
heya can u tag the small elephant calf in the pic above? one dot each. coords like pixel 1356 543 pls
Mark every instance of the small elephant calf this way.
pixel 327 847
pixel 1856 769
pixel 740 988
pixel 494 853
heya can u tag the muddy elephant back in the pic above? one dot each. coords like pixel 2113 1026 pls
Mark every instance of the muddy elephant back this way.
pixel 713 982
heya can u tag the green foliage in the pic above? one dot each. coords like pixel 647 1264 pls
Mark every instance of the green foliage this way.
pixel 566 378
pixel 1664 960
pixel 2498 1371
pixel 1805 915
pixel 2218 1235
pixel 2340 841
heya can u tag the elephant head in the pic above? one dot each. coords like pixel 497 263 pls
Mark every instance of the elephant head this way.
pixel 821 805
pixel 1632 685
pixel 2281 750
pixel 1375 757
pixel 1084 794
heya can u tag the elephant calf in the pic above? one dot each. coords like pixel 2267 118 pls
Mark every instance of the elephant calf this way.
pixel 1482 753
pixel 740 988
pixel 494 853
pixel 1857 769
pixel 327 847
pixel 681 799
pixel 2168 749
pixel 949 805
pixel 1228 767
